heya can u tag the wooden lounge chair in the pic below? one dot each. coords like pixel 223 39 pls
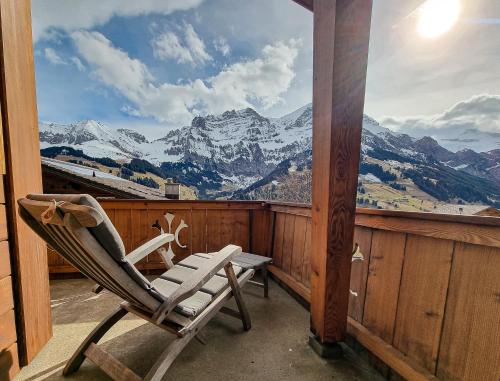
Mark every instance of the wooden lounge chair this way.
pixel 181 301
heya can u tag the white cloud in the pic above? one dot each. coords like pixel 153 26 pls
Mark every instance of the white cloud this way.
pixel 52 56
pixel 222 46
pixel 84 14
pixel 481 112
pixel 78 63
pixel 168 46
pixel 196 45
pixel 472 124
pixel 260 81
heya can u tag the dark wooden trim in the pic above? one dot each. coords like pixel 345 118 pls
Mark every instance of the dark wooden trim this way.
pixel 341 40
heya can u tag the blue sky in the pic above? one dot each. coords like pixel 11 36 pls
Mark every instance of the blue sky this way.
pixel 154 64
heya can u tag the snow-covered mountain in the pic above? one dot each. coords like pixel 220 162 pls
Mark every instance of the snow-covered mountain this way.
pixel 94 138
pixel 236 149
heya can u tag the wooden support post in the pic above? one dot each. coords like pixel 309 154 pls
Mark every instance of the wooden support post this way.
pixel 341 39
pixel 24 175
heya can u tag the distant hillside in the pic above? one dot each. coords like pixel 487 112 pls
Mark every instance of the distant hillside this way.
pixel 241 154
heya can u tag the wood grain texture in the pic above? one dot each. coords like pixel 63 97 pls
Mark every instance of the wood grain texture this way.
pixel 6 295
pixel 227 227
pixel 422 298
pixel 20 134
pixel 9 363
pixel 306 266
pixel 7 329
pixel 279 233
pixel 471 336
pixel 4 234
pixel 445 228
pixel 2 181
pixel 341 39
pixel 404 366
pixel 384 276
pixel 288 240
pixel 261 232
pixel 198 231
pixel 5 269
pixel 359 273
pixel 298 250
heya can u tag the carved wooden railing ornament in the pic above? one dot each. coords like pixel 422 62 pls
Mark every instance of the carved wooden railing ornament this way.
pixel 357 255
pixel 169 217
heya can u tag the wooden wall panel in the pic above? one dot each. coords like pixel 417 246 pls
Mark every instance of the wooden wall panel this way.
pixel 288 238
pixel 422 298
pixel 384 275
pixel 279 233
pixel 261 232
pixel 227 226
pixel 6 295
pixel 198 231
pixel 298 249
pixel 5 269
pixel 359 273
pixel 9 363
pixel 24 175
pixel 471 333
pixel 4 235
pixel 7 329
pixel 306 267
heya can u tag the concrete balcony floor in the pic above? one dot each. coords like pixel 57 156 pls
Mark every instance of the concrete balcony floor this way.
pixel 275 348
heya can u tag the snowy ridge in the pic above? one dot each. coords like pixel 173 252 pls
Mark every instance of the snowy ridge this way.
pixel 240 147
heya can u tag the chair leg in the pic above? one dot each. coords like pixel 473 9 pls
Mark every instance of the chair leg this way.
pixel 79 356
pixel 235 287
pixel 167 357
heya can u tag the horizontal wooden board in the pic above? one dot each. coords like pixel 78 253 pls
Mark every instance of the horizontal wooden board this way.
pixel 7 329
pixel 180 204
pixel 5 268
pixel 462 232
pixel 6 296
pixel 9 363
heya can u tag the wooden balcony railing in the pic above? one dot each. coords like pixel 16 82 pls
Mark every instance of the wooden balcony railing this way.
pixel 425 288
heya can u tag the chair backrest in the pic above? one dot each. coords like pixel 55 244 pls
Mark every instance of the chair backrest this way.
pixel 78 228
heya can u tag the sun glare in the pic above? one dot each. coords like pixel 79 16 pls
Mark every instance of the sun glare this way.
pixel 436 17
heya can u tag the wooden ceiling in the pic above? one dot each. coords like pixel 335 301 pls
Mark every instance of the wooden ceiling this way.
pixel 308 4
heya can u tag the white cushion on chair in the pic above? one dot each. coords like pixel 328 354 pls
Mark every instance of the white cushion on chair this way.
pixel 191 306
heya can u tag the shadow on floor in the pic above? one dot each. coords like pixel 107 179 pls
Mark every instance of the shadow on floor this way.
pixel 274 349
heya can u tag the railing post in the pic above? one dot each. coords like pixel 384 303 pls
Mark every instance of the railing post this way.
pixel 341 38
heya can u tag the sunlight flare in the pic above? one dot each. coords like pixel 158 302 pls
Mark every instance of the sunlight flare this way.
pixel 436 17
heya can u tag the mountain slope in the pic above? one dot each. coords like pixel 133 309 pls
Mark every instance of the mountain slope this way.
pixel 235 153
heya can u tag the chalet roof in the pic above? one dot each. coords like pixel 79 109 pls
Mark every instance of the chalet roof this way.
pixel 462 209
pixel 100 179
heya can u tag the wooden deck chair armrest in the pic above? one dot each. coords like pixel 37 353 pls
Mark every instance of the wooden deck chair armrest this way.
pixel 196 280
pixel 149 247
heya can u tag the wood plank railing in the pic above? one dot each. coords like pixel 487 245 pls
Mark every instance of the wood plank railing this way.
pixel 425 288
